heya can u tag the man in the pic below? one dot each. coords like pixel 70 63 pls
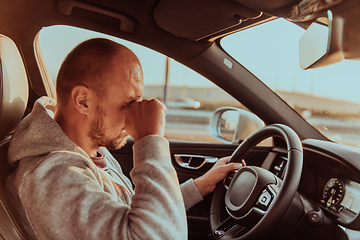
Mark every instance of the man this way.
pixel 68 186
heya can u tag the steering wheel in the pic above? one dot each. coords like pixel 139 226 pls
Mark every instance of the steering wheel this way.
pixel 256 200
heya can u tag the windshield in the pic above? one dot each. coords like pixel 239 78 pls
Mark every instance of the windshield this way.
pixel 327 97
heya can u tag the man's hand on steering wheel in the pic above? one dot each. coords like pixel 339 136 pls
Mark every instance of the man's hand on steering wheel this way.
pixel 207 182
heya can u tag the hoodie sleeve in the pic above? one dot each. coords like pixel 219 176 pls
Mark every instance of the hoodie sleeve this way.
pixel 64 198
pixel 190 194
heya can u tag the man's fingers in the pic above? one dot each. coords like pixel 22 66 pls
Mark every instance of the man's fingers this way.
pixel 226 160
pixel 234 166
pixel 223 160
pixel 146 117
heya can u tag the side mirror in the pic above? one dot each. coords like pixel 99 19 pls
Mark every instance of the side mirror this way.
pixel 230 125
pixel 324 45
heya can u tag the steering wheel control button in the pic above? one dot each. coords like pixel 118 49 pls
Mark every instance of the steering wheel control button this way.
pixel 229 178
pixel 315 218
pixel 264 200
pixel 219 233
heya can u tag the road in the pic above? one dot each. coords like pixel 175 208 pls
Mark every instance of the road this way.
pixel 189 125
pixel 345 131
pixel 193 125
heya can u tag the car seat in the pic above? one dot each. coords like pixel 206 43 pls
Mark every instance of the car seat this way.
pixel 13 101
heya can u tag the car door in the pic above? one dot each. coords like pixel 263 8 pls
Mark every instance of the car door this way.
pixel 198 215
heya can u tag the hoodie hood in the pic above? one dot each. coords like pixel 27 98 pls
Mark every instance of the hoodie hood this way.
pixel 32 137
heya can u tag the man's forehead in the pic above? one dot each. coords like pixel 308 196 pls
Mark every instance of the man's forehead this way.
pixel 129 72
pixel 133 89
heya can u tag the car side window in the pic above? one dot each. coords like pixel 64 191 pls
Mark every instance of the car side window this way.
pixel 190 98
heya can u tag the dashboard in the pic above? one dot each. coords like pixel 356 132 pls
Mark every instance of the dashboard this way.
pixel 330 178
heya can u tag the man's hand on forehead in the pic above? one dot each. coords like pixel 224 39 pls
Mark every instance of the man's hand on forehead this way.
pixel 146 117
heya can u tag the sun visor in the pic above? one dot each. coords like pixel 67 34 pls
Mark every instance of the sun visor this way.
pixel 198 19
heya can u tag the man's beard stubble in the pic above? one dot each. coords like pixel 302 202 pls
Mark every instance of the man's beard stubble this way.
pixel 98 135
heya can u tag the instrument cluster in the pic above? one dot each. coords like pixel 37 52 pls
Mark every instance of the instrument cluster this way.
pixel 342 197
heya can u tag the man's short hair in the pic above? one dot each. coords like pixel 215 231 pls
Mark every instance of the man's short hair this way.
pixel 87 64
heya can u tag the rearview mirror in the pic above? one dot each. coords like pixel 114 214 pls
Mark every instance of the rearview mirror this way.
pixel 313 45
pixel 230 125
pixel 325 45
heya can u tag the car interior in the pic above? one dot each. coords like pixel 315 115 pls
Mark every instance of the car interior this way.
pixel 308 168
pixel 14 98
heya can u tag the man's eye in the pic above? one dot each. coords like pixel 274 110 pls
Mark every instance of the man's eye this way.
pixel 129 104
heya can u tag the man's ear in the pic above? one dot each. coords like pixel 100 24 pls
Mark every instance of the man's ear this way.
pixel 82 99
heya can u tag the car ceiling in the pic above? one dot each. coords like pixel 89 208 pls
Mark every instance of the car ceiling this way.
pixel 192 24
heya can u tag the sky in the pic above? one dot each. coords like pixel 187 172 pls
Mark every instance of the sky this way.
pixel 270 51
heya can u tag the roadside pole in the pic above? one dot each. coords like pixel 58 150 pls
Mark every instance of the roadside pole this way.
pixel 167 74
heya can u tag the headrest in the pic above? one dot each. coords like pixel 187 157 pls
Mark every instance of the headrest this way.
pixel 14 89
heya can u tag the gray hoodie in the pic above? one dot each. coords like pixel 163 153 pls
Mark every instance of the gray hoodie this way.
pixel 60 193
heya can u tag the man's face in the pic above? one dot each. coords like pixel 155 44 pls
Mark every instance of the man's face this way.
pixel 99 135
pixel 126 86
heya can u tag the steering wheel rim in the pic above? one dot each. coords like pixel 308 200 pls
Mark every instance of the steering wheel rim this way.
pixel 282 199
